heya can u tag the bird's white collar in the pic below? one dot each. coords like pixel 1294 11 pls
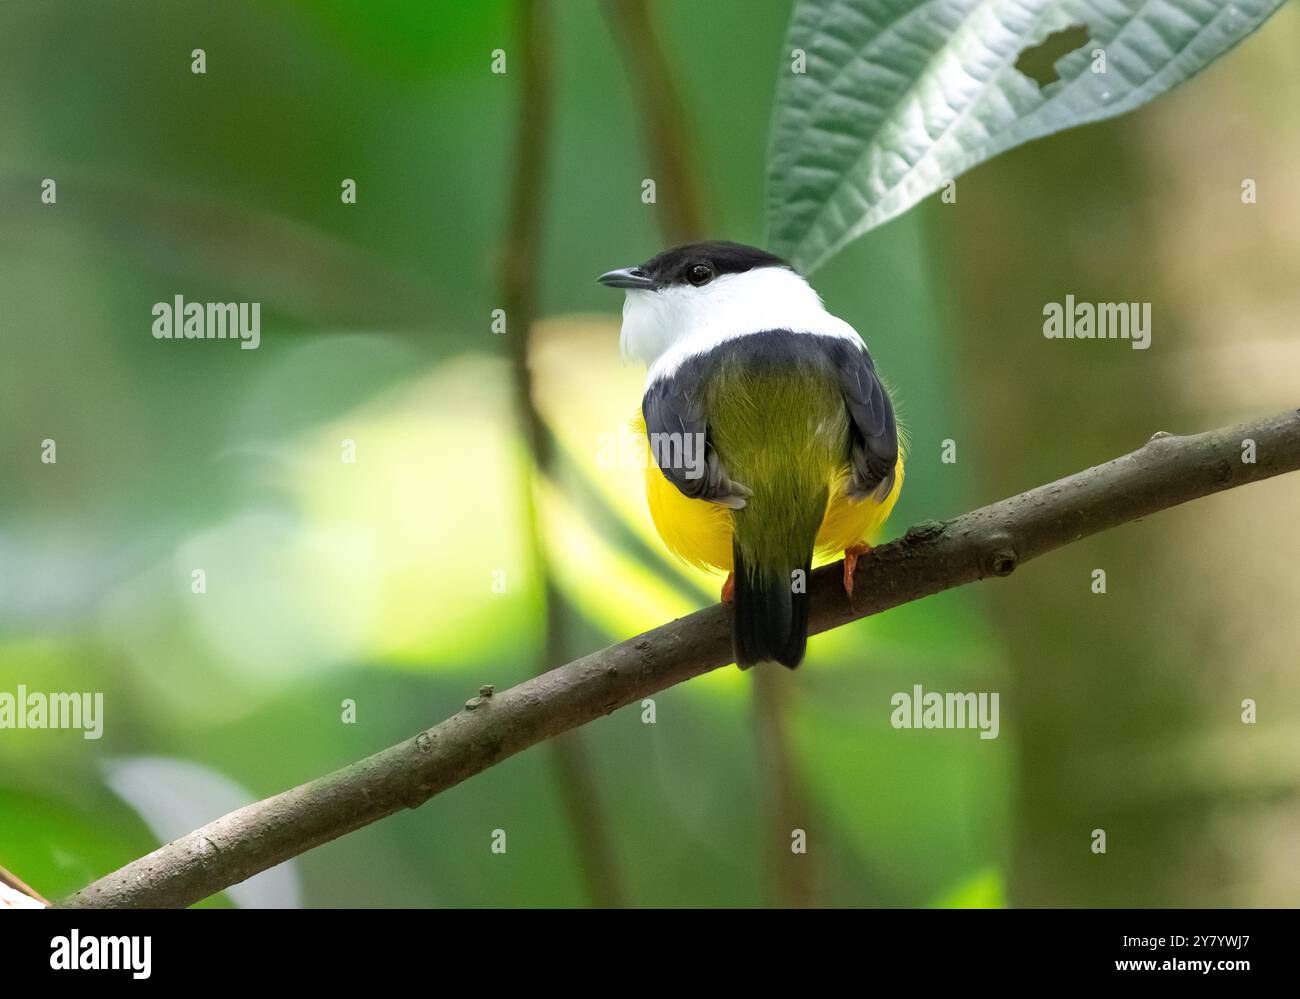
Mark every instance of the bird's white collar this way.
pixel 663 328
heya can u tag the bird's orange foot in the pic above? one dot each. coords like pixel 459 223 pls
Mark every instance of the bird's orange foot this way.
pixel 729 589
pixel 851 556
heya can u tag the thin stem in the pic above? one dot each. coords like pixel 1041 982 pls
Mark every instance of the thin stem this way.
pixel 792 878
pixel 793 875
pixel 17 884
pixel 676 177
pixel 520 264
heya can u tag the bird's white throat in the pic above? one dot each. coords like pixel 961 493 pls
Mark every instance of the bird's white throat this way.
pixel 662 328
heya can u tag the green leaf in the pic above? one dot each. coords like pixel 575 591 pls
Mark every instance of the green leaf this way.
pixel 900 96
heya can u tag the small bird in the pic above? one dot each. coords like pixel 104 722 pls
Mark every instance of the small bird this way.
pixel 771 437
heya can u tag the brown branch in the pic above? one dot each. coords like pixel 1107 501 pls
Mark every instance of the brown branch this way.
pixel 793 878
pixel 991 541
pixel 663 117
pixel 519 256
pixel 520 265
pixel 793 875
pixel 17 884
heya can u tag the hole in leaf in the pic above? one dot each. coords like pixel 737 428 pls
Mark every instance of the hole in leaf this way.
pixel 1038 62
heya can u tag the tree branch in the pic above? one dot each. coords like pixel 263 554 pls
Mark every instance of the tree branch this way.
pixel 663 118
pixel 17 884
pixel 991 541
pixel 793 876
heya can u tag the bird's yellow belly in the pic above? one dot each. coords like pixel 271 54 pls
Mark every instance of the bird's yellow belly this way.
pixel 699 532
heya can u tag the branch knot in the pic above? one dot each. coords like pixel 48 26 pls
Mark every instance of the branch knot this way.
pixel 1002 561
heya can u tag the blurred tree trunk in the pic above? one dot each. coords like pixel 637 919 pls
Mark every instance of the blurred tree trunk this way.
pixel 1127 705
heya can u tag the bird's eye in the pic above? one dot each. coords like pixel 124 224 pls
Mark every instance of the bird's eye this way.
pixel 699 274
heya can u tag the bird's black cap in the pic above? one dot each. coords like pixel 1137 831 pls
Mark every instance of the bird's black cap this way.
pixel 674 266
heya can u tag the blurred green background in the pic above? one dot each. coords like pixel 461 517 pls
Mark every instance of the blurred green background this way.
pixel 381 581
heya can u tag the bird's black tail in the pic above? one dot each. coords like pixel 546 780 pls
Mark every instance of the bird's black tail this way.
pixel 770 616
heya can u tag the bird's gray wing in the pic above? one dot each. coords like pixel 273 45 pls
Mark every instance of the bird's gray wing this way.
pixel 873 447
pixel 677 429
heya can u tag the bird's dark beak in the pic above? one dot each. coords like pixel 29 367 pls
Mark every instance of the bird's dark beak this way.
pixel 628 277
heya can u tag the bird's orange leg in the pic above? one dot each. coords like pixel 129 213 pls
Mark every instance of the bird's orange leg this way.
pixel 851 556
pixel 729 589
